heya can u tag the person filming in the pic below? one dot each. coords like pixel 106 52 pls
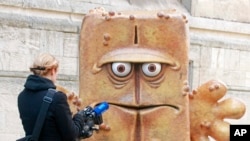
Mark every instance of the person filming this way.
pixel 59 123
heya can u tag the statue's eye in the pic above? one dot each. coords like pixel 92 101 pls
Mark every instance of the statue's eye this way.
pixel 151 69
pixel 121 69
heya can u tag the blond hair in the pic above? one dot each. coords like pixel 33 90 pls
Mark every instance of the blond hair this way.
pixel 43 64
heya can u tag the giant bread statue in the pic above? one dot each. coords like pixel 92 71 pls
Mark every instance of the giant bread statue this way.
pixel 138 63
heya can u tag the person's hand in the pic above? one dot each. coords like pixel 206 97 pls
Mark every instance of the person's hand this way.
pixel 104 127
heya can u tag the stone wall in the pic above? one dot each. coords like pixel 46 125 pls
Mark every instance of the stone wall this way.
pixel 230 10
pixel 28 28
pixel 219 48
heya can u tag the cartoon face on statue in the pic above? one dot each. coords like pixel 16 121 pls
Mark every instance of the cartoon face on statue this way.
pixel 138 64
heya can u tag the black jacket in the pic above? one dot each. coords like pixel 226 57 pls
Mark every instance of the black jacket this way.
pixel 59 124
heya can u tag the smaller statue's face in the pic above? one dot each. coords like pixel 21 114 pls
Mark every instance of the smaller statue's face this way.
pixel 138 66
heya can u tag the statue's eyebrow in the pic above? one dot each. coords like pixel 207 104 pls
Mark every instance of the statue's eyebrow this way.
pixel 135 55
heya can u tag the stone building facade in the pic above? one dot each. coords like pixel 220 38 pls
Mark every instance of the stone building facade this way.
pixel 219 44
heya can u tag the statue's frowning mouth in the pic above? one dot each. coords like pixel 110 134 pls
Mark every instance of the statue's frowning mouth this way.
pixel 143 107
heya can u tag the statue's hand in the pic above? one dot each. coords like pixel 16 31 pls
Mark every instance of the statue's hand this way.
pixel 207 113
pixel 74 101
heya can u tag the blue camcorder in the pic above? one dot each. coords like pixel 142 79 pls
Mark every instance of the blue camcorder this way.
pixel 92 116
